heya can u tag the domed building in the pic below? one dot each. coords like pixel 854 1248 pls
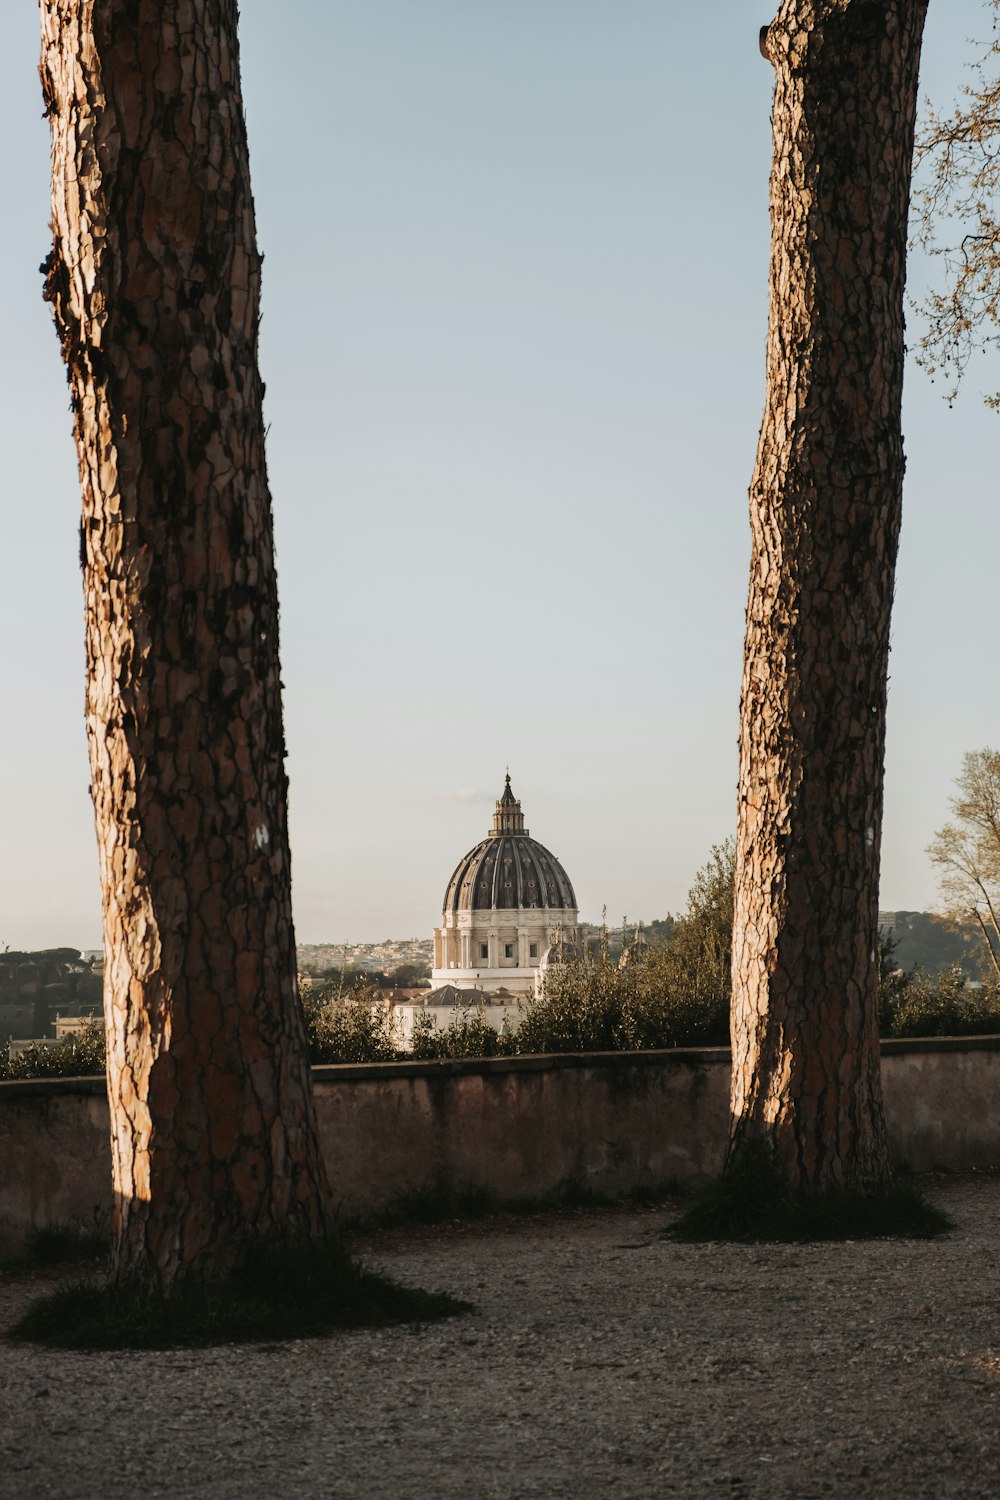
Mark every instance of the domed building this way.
pixel 508 901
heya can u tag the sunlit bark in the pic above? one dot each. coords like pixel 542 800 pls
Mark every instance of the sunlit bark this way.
pixel 154 282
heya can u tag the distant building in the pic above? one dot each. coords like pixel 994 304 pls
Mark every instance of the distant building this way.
pixel 508 903
pixel 67 1026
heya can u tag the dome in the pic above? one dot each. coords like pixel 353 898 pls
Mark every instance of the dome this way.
pixel 508 900
pixel 509 870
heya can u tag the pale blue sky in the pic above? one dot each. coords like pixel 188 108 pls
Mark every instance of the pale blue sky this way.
pixel 514 315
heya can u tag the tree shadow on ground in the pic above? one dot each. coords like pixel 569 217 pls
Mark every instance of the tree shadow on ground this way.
pixel 278 1291
pixel 751 1201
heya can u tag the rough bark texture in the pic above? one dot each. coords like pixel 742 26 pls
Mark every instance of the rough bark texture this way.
pixel 825 510
pixel 154 281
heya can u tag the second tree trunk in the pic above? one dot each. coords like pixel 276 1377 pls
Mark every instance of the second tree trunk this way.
pixel 825 513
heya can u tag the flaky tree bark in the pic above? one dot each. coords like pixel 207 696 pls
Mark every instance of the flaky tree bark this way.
pixel 825 509
pixel 154 281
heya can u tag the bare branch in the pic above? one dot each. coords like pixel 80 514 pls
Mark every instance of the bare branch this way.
pixel 958 176
pixel 967 851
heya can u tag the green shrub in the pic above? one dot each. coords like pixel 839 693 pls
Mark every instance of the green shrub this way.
pixel 79 1056
pixel 940 1005
pixel 671 996
pixel 356 1028
pixel 469 1034
pixel 67 1242
pixel 594 1005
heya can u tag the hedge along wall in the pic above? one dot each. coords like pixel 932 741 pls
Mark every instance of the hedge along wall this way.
pixel 512 1128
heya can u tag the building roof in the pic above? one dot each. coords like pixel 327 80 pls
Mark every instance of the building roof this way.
pixel 509 869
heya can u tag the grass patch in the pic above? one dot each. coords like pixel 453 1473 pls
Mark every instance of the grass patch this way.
pixel 65 1244
pixel 277 1292
pixel 438 1204
pixel 574 1194
pixel 750 1201
pixel 60 1245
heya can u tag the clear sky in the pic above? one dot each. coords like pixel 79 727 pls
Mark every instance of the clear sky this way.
pixel 514 319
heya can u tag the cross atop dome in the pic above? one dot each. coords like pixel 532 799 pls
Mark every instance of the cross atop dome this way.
pixel 508 817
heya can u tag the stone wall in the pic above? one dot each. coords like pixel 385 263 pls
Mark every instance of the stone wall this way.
pixel 942 1101
pixel 514 1128
pixel 55 1155
pixel 522 1128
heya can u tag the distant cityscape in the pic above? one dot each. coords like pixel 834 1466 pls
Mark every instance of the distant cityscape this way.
pixel 394 953
pixel 920 940
pixel 369 958
pixel 40 989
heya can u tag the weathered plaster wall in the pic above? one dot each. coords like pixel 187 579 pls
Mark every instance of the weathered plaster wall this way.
pixel 521 1128
pixel 942 1101
pixel 55 1155
pixel 514 1127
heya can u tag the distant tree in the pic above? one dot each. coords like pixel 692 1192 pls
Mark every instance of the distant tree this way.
pixel 940 1005
pixel 357 1027
pixel 933 943
pixel 670 993
pixel 958 221
pixel 966 851
pixel 661 930
pixel 407 975
pixel 77 1056
pixel 154 282
pixel 54 960
pixel 825 505
pixel 46 979
pixel 699 950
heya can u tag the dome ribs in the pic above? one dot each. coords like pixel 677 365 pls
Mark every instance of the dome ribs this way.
pixel 480 881
pixel 509 870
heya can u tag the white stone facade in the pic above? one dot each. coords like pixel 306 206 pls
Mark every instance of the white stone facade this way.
pixel 494 948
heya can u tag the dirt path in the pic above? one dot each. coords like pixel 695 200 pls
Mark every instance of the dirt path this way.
pixel 602 1360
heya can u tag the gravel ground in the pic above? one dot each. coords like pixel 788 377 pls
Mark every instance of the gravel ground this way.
pixel 602 1360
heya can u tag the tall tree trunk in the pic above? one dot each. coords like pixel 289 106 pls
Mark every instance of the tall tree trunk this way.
pixel 154 280
pixel 825 510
